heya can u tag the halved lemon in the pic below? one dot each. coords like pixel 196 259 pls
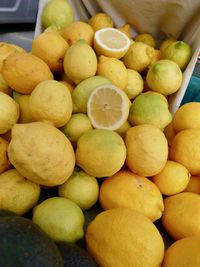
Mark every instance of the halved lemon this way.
pixel 108 107
pixel 111 42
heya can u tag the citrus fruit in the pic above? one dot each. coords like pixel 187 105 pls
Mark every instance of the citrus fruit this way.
pixel 69 86
pixel 80 61
pixel 23 71
pixel 187 116
pixel 172 179
pixel 81 188
pixel 124 237
pixel 147 149
pixel 185 150
pixel 58 13
pixel 193 185
pixel 123 129
pixel 164 77
pixel 165 44
pixel 51 101
pixel 111 42
pixel 179 52
pixel 78 124
pixel 9 112
pixel 60 218
pixel 24 108
pixel 100 152
pixel 135 84
pixel 78 30
pixel 17 194
pixel 181 215
pixel 83 90
pixel 108 107
pixel 101 20
pixel 51 48
pixel 139 56
pixel 3 86
pixel 146 38
pixel 126 28
pixel 169 133
pixel 41 153
pixel 183 252
pixel 113 69
pixel 156 57
pixel 4 161
pixel 128 190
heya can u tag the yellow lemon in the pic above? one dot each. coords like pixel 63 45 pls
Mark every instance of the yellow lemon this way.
pixel 100 152
pixel 54 29
pixel 128 190
pixel 51 101
pixel 9 112
pixel 146 38
pixel 78 30
pixel 3 86
pixel 17 194
pixel 101 20
pixel 193 185
pixel 50 47
pixel 169 133
pixel 60 218
pixel 25 111
pixel 164 77
pixel 111 42
pixel 4 161
pixel 41 153
pixel 147 149
pixel 165 44
pixel 181 217
pixel 135 84
pixel 172 179
pixel 187 116
pixel 156 57
pixel 184 252
pixel 108 107
pixel 185 150
pixel 124 237
pixel 139 56
pixel 69 86
pixel 126 28
pixel 150 108
pixel 113 69
pixel 81 188
pixel 123 129
pixel 80 61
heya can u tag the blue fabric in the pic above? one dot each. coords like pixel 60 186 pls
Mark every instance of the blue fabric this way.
pixel 192 93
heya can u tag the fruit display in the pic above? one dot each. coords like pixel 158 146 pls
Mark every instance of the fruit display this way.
pixel 94 168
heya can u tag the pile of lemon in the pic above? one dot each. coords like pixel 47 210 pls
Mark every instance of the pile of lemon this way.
pixel 89 103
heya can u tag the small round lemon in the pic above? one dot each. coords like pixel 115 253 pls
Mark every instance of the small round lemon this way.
pixel 101 20
pixel 146 38
pixel 135 84
pixel 126 28
pixel 165 44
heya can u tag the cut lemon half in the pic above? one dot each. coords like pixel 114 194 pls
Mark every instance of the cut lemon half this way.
pixel 108 107
pixel 111 42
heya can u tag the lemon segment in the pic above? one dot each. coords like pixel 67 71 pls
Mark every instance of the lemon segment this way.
pixel 108 107
pixel 111 42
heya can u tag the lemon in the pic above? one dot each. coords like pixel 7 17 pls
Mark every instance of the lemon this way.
pixel 80 61
pixel 187 116
pixel 4 161
pixel 108 107
pixel 81 188
pixel 58 13
pixel 150 108
pixel 3 86
pixel 69 86
pixel 139 56
pixel 9 112
pixel 172 179
pixel 101 20
pixel 126 28
pixel 51 48
pixel 100 152
pixel 193 185
pixel 83 90
pixel 146 38
pixel 156 57
pixel 181 215
pixel 164 77
pixel 79 30
pixel 123 129
pixel 51 101
pixel 183 252
pixel 169 133
pixel 113 69
pixel 60 218
pixel 185 150
pixel 179 52
pixel 41 153
pixel 128 190
pixel 78 124
pixel 135 84
pixel 147 149
pixel 17 194
pixel 24 107
pixel 111 42
pixel 54 29
pixel 124 237
pixel 23 71
pixel 165 44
